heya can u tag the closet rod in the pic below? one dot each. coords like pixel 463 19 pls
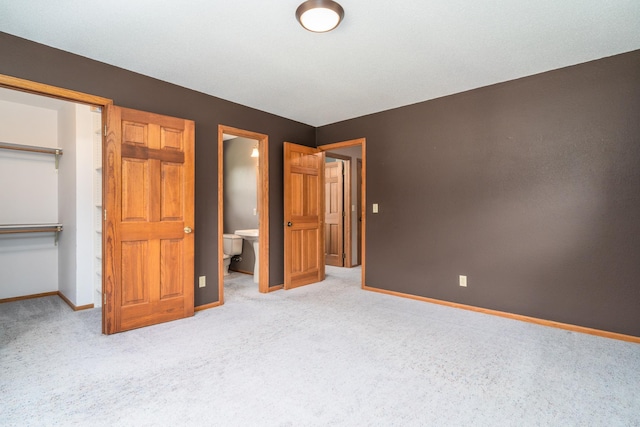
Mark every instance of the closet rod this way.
pixel 31 228
pixel 33 149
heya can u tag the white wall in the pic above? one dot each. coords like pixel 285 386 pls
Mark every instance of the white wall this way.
pixel 67 211
pixel 84 204
pixel 97 207
pixel 34 192
pixel 28 195
pixel 75 191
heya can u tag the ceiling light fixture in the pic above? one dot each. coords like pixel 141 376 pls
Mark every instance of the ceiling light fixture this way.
pixel 319 16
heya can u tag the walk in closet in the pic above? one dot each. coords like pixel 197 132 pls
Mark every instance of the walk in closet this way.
pixel 50 198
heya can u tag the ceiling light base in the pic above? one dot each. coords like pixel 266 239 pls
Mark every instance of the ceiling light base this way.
pixel 319 16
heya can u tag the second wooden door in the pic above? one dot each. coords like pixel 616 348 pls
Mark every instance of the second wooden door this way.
pixel 303 215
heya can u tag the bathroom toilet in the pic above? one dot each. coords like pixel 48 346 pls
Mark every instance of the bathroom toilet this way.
pixel 232 245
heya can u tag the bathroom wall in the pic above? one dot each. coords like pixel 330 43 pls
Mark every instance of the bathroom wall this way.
pixel 240 195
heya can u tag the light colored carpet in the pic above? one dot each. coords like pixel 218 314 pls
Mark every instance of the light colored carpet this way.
pixel 325 354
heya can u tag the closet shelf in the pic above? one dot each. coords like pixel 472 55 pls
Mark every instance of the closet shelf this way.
pixel 57 152
pixel 31 228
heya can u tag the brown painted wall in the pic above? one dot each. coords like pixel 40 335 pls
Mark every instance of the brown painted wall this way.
pixel 531 188
pixel 39 63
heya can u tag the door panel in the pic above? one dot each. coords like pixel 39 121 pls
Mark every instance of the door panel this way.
pixel 172 197
pixel 172 268
pixel 135 190
pixel 148 198
pixel 171 139
pixel 303 215
pixel 334 214
pixel 134 272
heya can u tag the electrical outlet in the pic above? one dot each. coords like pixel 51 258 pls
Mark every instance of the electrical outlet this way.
pixel 202 281
pixel 463 281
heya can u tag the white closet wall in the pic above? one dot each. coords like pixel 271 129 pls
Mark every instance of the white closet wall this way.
pixel 28 195
pixel 75 192
pixel 33 191
pixel 97 207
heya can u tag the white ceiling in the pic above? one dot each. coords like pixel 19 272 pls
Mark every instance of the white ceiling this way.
pixel 383 55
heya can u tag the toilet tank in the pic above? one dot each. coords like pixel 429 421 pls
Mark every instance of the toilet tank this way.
pixel 232 244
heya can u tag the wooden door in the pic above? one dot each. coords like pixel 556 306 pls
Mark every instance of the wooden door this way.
pixel 303 215
pixel 334 214
pixel 149 211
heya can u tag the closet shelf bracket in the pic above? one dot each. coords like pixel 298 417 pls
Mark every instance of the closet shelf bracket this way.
pixel 58 154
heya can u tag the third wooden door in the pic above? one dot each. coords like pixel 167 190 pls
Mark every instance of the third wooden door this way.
pixel 334 213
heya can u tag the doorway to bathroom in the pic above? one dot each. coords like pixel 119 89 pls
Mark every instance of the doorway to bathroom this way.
pixel 243 204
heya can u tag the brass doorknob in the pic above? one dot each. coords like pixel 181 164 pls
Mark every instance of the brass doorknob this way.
pixel 187 230
pixel 289 224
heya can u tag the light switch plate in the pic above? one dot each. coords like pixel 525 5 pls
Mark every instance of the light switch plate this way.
pixel 375 208
pixel 463 281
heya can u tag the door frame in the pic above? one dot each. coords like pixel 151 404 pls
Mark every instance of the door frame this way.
pixel 359 210
pixel 263 207
pixel 42 89
pixel 362 142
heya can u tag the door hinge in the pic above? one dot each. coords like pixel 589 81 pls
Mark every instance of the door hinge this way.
pixel 344 255
pixel 105 214
pixel 343 214
pixel 105 130
pixel 104 299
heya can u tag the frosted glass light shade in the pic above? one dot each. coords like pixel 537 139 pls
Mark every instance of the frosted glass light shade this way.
pixel 319 16
pixel 255 152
